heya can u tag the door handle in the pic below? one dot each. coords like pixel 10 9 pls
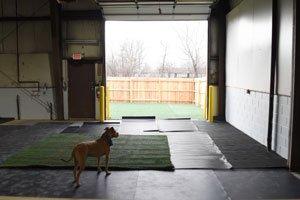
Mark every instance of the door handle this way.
pixel 92 86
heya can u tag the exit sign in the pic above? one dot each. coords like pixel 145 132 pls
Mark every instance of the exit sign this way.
pixel 76 56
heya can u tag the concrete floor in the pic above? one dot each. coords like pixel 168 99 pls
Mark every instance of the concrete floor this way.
pixel 180 184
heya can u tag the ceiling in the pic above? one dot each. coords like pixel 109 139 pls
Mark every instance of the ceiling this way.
pixel 152 10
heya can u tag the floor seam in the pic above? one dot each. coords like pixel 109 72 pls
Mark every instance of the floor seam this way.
pixel 221 185
pixel 136 186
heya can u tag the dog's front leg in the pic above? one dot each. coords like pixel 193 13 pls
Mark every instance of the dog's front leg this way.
pixel 106 164
pixel 98 164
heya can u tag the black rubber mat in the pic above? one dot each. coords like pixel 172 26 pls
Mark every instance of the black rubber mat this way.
pixel 241 151
pixel 100 123
pixel 4 120
pixel 260 184
pixel 6 130
pixel 139 117
pixel 179 118
pixel 175 125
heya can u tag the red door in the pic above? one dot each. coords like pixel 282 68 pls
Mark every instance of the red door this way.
pixel 81 90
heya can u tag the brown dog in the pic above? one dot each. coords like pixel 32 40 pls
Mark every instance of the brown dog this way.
pixel 95 148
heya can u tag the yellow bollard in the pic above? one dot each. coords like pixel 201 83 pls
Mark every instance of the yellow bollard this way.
pixel 102 103
pixel 107 103
pixel 212 103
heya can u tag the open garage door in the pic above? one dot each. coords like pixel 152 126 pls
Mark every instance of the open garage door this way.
pixel 155 10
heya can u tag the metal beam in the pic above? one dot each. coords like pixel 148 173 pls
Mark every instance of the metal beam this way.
pixel 56 65
pixel 216 53
pixel 274 54
pixel 152 4
pixel 66 15
pixel 294 155
pixel 162 14
pixel 82 15
pixel 31 18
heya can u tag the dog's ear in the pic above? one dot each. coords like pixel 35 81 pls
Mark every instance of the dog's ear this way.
pixel 107 128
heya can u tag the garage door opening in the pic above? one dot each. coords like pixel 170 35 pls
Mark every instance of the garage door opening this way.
pixel 156 68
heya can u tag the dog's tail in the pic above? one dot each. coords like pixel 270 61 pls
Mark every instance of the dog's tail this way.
pixel 71 157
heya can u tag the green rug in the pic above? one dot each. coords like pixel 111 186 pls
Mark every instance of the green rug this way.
pixel 129 152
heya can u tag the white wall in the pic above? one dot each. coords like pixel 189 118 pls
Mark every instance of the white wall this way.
pixel 29 109
pixel 249 113
pixel 249 39
pixel 285 50
pixel 33 67
pixel 248 63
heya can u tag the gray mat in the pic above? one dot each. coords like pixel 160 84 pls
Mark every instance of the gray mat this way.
pixel 176 125
pixel 241 151
pixel 138 126
pixel 17 138
pixel 96 128
pixel 71 129
pixel 6 130
pixel 195 151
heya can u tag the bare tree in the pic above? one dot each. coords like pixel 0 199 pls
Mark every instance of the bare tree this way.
pixel 165 68
pixel 191 47
pixel 113 68
pixel 129 62
pixel 132 58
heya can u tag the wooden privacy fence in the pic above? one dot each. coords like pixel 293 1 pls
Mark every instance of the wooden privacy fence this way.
pixel 157 90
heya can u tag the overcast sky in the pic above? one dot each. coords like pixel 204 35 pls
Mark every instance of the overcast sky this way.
pixel 152 34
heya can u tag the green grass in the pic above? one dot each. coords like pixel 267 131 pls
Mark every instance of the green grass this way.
pixel 128 152
pixel 161 111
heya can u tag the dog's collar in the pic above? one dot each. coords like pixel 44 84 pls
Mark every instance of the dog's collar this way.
pixel 109 141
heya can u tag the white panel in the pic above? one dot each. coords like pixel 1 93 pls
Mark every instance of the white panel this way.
pixel 285 48
pixel 29 109
pixel 83 30
pixel 8 35
pixel 80 5
pixel 8 65
pixel 9 8
pixel 245 48
pixel 65 91
pixel 249 36
pixel 33 7
pixel 262 44
pixel 232 58
pixel 35 67
pixel 86 50
pixel 35 37
pixel 43 39
pixel 26 37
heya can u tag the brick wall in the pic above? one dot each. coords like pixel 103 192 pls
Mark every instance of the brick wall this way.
pixel 281 125
pixel 249 113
